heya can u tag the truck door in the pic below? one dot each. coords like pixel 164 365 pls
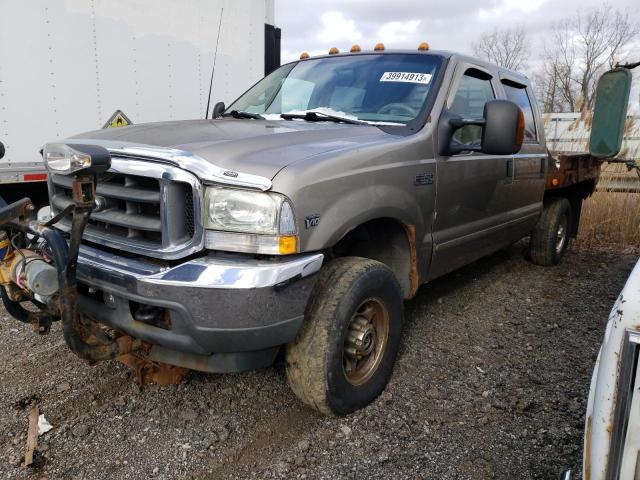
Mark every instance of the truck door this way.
pixel 524 191
pixel 471 207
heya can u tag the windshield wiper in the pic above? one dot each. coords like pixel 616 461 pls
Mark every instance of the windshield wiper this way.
pixel 321 117
pixel 237 114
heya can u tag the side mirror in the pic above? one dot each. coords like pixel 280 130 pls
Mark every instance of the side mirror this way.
pixel 610 113
pixel 2 150
pixel 218 109
pixel 502 130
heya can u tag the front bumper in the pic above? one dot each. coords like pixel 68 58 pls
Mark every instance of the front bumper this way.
pixel 217 304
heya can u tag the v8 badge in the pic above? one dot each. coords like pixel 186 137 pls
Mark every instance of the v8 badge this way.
pixel 312 221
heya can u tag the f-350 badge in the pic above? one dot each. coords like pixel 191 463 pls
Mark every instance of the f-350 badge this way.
pixel 423 179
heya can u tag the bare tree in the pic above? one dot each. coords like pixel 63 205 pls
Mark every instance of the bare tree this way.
pixel 623 31
pixel 506 48
pixel 559 64
pixel 579 51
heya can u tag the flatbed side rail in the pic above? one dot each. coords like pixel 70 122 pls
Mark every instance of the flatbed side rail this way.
pixel 568 169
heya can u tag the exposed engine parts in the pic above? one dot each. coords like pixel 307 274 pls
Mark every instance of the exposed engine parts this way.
pixel 38 265
pixel 31 271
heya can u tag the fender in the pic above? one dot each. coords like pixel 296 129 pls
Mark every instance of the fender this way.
pixel 389 202
pixel 343 214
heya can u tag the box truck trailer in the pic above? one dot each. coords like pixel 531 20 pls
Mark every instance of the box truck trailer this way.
pixel 69 65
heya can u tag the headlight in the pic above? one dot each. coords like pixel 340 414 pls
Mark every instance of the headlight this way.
pixel 248 221
pixel 66 159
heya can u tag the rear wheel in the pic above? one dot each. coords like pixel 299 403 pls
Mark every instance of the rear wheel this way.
pixel 551 235
pixel 343 356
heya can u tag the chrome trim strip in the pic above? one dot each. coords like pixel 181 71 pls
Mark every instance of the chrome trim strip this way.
pixel 194 164
pixel 215 272
pixel 198 166
pixel 531 155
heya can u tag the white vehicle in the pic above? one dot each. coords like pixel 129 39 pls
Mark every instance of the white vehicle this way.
pixel 69 66
pixel 612 425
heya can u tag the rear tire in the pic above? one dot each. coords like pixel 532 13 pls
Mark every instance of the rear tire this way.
pixel 551 235
pixel 344 354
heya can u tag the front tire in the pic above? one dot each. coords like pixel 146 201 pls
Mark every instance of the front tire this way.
pixel 551 235
pixel 344 354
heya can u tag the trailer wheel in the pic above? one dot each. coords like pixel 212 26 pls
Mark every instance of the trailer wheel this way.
pixel 343 355
pixel 551 235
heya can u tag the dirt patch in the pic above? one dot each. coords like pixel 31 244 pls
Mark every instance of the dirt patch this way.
pixel 491 382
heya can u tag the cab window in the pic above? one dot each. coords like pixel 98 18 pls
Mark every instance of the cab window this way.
pixel 473 92
pixel 517 93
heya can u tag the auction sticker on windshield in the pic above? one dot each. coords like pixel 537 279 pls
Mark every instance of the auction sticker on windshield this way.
pixel 409 77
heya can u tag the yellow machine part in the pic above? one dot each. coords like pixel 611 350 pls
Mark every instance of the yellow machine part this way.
pixel 6 262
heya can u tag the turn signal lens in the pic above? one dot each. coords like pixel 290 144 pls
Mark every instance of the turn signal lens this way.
pixel 520 129
pixel 287 245
pixel 249 243
pixel 287 219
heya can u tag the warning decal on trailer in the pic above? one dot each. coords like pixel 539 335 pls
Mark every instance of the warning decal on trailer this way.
pixel 118 119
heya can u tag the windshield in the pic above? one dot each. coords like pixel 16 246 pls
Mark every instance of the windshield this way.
pixel 383 89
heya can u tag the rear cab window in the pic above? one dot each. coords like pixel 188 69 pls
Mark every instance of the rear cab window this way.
pixel 517 93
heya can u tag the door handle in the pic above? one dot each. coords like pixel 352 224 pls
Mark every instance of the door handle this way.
pixel 509 170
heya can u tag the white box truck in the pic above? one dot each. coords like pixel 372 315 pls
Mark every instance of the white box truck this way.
pixel 67 66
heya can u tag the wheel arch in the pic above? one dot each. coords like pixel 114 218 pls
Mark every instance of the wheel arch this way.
pixel 389 241
pixel 576 194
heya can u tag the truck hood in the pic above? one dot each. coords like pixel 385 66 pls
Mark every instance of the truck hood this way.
pixel 255 147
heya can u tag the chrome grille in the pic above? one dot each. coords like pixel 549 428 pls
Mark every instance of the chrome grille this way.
pixel 141 207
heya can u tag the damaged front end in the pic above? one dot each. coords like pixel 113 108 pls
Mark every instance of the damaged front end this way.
pixel 38 263
pixel 212 312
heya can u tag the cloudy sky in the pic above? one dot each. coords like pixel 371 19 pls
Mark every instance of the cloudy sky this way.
pixel 315 26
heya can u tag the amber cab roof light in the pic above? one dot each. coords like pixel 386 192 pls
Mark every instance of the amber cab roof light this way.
pixel 424 46
pixel 355 49
pixel 333 51
pixel 304 56
pixel 379 47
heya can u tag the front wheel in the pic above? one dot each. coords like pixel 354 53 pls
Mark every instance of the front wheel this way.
pixel 551 235
pixel 343 355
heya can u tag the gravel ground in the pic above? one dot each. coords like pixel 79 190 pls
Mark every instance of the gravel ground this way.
pixel 491 382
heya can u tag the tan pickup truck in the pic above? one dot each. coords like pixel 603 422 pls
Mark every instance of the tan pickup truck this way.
pixel 299 218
